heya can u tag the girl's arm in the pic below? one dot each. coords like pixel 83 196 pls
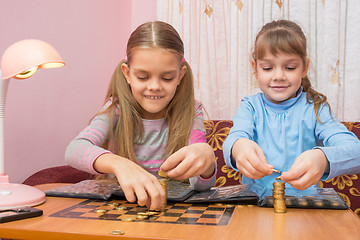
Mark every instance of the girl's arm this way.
pixel 86 153
pixel 82 152
pixel 340 146
pixel 136 182
pixel 196 161
pixel 240 150
pixel 338 153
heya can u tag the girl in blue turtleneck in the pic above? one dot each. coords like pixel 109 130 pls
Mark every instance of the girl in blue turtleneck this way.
pixel 289 126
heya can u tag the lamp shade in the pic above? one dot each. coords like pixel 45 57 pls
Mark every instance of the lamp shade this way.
pixel 21 59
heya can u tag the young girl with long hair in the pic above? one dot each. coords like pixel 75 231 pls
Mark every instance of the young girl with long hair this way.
pixel 150 121
pixel 288 126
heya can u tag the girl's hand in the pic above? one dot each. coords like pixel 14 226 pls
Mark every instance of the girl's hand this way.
pixel 194 160
pixel 250 159
pixel 137 183
pixel 307 169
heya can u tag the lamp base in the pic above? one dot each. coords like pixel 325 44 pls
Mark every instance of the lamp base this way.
pixel 13 195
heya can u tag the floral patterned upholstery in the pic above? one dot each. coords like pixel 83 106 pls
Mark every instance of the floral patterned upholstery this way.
pixel 348 186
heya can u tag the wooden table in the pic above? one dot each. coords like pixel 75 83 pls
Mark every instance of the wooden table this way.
pixel 247 222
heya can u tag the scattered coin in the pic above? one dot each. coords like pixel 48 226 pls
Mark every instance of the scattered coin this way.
pixel 100 210
pixel 142 217
pixel 127 219
pixel 143 214
pixel 121 208
pixel 117 232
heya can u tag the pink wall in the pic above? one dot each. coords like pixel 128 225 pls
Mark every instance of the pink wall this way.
pixel 46 111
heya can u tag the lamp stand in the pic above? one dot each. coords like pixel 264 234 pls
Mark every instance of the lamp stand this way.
pixel 13 195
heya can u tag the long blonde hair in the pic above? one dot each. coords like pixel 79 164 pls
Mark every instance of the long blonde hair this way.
pixel 288 37
pixel 124 112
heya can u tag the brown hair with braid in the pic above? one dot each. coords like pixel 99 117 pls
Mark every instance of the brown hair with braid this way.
pixel 287 37
pixel 124 112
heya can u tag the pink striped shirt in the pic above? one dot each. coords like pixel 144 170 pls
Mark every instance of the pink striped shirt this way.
pixel 150 152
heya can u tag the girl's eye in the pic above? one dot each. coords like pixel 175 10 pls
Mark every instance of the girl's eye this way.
pixel 266 68
pixel 290 68
pixel 141 78
pixel 168 79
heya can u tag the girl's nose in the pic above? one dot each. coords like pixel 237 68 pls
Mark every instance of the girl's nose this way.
pixel 154 84
pixel 278 74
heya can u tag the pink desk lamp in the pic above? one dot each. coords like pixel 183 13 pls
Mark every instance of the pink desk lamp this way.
pixel 20 61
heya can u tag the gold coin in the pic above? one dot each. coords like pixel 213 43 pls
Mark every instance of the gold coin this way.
pixel 143 214
pixel 335 203
pixel 152 213
pixel 229 205
pixel 127 219
pixel 114 204
pixel 302 202
pixel 274 170
pixel 100 210
pixel 163 181
pixel 318 203
pixel 121 208
pixel 162 174
pixel 278 178
pixel 141 217
pixel 117 232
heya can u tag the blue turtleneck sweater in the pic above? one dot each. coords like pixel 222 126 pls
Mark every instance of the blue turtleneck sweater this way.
pixel 285 130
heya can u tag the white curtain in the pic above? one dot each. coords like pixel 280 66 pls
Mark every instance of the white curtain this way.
pixel 219 35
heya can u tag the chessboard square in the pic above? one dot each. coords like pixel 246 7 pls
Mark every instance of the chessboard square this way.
pixel 176 210
pixel 211 216
pixel 169 219
pixel 197 208
pixel 195 211
pixel 208 220
pixel 219 209
pixel 96 203
pixel 139 209
pixel 132 212
pixel 213 212
pixel 84 210
pixel 171 214
pixel 110 216
pixel 186 205
pixel 74 214
pixel 127 204
pixel 88 206
pixel 115 211
pixel 179 207
pixel 190 215
pixel 90 215
pixel 187 220
pixel 106 207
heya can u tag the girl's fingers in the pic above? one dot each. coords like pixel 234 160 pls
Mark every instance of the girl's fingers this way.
pixel 142 196
pixel 157 196
pixel 173 161
pixel 246 168
pixel 129 193
pixel 182 170
pixel 302 182
pixel 254 165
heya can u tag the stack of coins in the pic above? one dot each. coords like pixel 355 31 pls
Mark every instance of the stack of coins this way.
pixel 163 182
pixel 279 197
